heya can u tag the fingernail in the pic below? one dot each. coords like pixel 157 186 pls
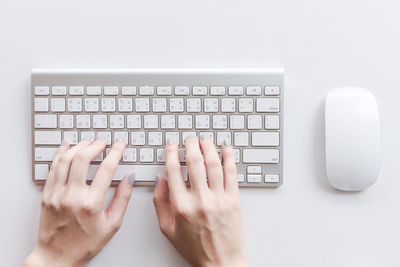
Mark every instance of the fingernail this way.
pixel 131 180
pixel 226 144
pixel 156 181
pixel 120 140
pixel 170 141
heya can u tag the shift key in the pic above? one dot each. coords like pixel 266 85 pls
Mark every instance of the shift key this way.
pixel 261 155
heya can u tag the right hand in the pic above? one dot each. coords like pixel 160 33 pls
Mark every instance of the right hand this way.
pixel 202 222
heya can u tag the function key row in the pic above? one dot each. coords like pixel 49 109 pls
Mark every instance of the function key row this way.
pixel 254 90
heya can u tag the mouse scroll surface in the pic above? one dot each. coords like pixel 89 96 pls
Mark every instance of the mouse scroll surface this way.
pixel 352 138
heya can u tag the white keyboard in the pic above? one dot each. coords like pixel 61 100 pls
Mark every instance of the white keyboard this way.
pixel 244 107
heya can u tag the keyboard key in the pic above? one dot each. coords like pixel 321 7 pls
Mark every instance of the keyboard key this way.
pixel 268 104
pixel 164 90
pixel 41 104
pixel 117 121
pixel 71 137
pixel 271 178
pixel 108 104
pixel 235 90
pixel 228 105
pixel 161 155
pixel 260 155
pixel 41 171
pixel 254 122
pixel 138 138
pixel 236 122
pixel 172 136
pixel 155 138
pixel 142 104
pixel 59 90
pixel 220 121
pixel 57 104
pixel 146 155
pixel 240 177
pixel 254 178
pixel 130 155
pixel 181 90
pixel 42 90
pixel 265 139
pixel 193 104
pixel 202 121
pixel 217 90
pixel 45 153
pixel 272 90
pixel 144 173
pixel 93 90
pixel 207 135
pixel 146 90
pixel 134 121
pixel 47 137
pixel 272 122
pixel 253 90
pixel 128 90
pixel 186 135
pixel 76 90
pixel 199 90
pixel 125 104
pixel 246 104
pixel 83 121
pixel 46 121
pixel 91 104
pixel 253 169
pixel 241 139
pixel 119 136
pixel 224 136
pixel 159 105
pixel 211 104
pixel 75 104
pixel 150 121
pixel 168 121
pixel 99 121
pixel 66 121
pixel 176 105
pixel 104 136
pixel 185 122
pixel 87 135
pixel 111 90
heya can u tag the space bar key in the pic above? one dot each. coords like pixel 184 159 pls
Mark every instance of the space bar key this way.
pixel 143 173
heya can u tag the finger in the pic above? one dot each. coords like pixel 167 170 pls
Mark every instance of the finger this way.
pixel 162 205
pixel 65 160
pixel 50 181
pixel 230 171
pixel 213 165
pixel 102 180
pixel 195 165
pixel 117 208
pixel 81 162
pixel 173 171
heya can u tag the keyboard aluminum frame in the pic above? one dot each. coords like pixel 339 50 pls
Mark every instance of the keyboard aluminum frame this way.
pixel 168 77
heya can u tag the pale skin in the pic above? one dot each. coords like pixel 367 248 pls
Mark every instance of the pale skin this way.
pixel 203 221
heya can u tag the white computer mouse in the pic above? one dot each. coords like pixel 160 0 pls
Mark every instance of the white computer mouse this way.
pixel 352 138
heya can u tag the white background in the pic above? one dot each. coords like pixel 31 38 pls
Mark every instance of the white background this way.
pixel 321 45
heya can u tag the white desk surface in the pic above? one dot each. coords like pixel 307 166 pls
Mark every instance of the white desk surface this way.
pixel 321 44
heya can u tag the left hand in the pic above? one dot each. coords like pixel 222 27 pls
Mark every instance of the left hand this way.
pixel 73 225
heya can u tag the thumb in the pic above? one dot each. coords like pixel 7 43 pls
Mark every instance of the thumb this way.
pixel 163 205
pixel 117 208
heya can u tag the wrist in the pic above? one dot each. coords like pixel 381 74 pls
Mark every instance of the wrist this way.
pixel 41 258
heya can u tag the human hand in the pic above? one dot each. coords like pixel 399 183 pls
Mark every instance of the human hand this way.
pixel 203 222
pixel 74 227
